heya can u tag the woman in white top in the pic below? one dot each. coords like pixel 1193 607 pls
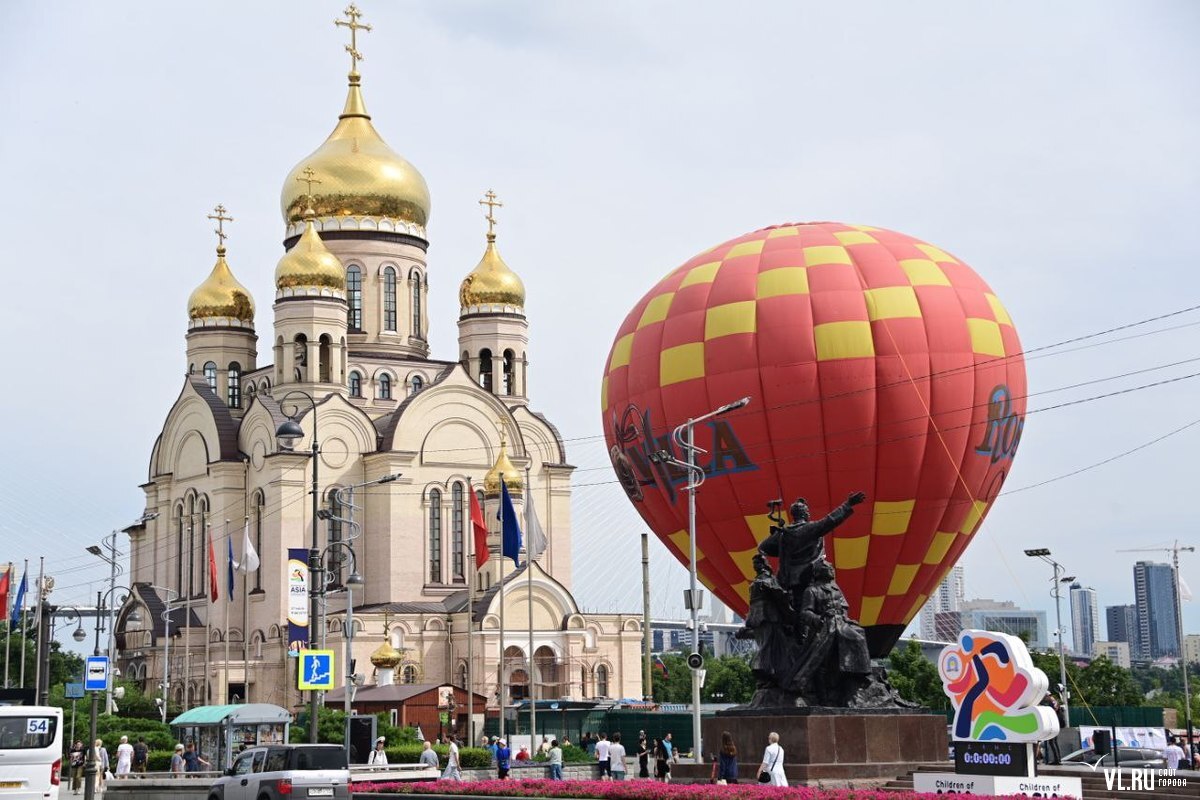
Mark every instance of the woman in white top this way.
pixel 453 771
pixel 378 756
pixel 124 756
pixel 772 762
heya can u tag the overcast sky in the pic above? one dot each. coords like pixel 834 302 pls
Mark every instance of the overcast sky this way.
pixel 1051 146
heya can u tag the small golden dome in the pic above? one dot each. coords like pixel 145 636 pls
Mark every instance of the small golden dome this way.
pixel 491 283
pixel 512 476
pixel 221 296
pixel 386 656
pixel 360 175
pixel 310 265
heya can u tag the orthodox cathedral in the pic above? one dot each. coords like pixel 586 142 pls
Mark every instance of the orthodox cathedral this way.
pixel 394 442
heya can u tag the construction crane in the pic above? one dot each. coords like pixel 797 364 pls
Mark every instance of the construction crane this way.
pixel 1175 550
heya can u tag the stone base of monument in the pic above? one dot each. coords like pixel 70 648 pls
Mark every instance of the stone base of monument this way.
pixel 832 743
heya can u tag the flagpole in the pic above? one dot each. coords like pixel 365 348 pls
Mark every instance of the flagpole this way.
pixel 37 620
pixel 228 602
pixel 471 632
pixel 246 617
pixel 8 624
pixel 529 586
pixel 500 681
pixel 25 586
pixel 212 576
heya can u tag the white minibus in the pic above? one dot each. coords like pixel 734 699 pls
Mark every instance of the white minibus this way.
pixel 31 752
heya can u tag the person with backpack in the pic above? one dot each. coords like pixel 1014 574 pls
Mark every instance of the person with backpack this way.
pixel 141 755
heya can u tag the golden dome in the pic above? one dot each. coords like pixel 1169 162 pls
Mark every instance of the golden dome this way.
pixel 360 175
pixel 386 656
pixel 512 476
pixel 491 283
pixel 310 265
pixel 221 296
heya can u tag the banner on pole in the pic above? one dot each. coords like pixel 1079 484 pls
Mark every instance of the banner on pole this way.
pixel 297 599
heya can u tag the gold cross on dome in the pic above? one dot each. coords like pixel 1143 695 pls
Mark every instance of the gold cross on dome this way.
pixel 307 177
pixel 387 615
pixel 219 215
pixel 353 24
pixel 489 200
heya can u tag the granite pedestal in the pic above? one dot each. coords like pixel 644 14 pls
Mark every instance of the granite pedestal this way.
pixel 832 743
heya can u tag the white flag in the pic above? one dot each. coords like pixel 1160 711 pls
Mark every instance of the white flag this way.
pixel 1185 593
pixel 249 561
pixel 535 537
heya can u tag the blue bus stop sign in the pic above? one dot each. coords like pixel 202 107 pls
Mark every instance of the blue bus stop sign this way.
pixel 95 674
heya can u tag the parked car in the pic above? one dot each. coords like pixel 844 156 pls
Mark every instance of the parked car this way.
pixel 1126 757
pixel 286 772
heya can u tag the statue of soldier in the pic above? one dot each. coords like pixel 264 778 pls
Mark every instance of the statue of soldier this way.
pixel 800 544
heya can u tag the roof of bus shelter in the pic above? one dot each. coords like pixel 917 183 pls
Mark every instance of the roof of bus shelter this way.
pixel 240 714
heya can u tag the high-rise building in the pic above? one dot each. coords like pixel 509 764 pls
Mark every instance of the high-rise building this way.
pixel 948 597
pixel 1003 616
pixel 1157 610
pixel 1122 624
pixel 1085 619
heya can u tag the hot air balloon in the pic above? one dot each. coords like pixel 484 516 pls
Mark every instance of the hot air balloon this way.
pixel 874 362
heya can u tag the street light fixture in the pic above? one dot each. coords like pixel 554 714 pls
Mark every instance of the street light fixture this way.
pixel 685 437
pixel 1057 582
pixel 288 434
pixel 166 616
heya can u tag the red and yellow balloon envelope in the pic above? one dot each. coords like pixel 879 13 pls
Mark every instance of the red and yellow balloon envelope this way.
pixel 995 689
pixel 874 362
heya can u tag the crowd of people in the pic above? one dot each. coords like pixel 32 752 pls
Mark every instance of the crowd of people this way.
pixel 127 759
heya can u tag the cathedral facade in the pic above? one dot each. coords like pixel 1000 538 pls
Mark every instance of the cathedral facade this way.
pixel 399 442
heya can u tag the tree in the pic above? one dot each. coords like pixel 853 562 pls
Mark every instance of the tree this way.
pixel 727 680
pixel 1103 683
pixel 916 678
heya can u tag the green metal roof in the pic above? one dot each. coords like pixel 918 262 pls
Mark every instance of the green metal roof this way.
pixel 240 714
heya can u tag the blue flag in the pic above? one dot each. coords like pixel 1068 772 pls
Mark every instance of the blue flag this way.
pixel 230 566
pixel 19 605
pixel 510 529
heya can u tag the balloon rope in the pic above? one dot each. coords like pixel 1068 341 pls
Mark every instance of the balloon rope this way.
pixel 936 429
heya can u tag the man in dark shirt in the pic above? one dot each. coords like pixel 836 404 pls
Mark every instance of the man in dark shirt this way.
pixel 141 755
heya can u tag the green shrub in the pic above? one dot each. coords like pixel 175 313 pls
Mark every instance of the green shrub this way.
pixel 111 729
pixel 159 760
pixel 468 757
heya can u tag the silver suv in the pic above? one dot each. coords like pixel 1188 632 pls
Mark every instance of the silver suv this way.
pixel 286 772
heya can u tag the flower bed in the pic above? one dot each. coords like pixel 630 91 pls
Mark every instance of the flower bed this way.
pixel 634 790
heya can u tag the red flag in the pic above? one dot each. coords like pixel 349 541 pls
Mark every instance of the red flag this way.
pixel 212 569
pixel 479 528
pixel 4 582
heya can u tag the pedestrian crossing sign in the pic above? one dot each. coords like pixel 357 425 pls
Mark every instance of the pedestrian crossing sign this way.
pixel 316 670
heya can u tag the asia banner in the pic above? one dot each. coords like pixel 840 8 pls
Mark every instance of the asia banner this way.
pixel 297 599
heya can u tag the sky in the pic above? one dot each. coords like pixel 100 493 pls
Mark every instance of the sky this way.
pixel 1051 146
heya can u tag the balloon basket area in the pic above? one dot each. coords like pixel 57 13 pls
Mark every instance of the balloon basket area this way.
pixel 833 743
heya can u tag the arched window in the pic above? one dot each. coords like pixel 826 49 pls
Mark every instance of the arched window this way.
pixel 300 356
pixel 190 555
pixel 354 298
pixel 508 371
pixel 414 278
pixel 210 375
pixel 260 503
pixel 408 674
pixel 235 385
pixel 180 527
pixel 601 681
pixel 485 369
pixel 416 384
pixel 435 536
pixel 457 503
pixel 462 675
pixel 324 356
pixel 355 384
pixel 385 387
pixel 251 390
pixel 389 299
pixel 583 676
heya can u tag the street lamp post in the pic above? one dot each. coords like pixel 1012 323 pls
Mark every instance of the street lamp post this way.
pixel 685 437
pixel 352 580
pixel 288 433
pixel 166 616
pixel 1044 554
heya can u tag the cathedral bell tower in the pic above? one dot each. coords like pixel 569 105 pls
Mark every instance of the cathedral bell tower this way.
pixel 221 343
pixel 493 333
pixel 310 313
